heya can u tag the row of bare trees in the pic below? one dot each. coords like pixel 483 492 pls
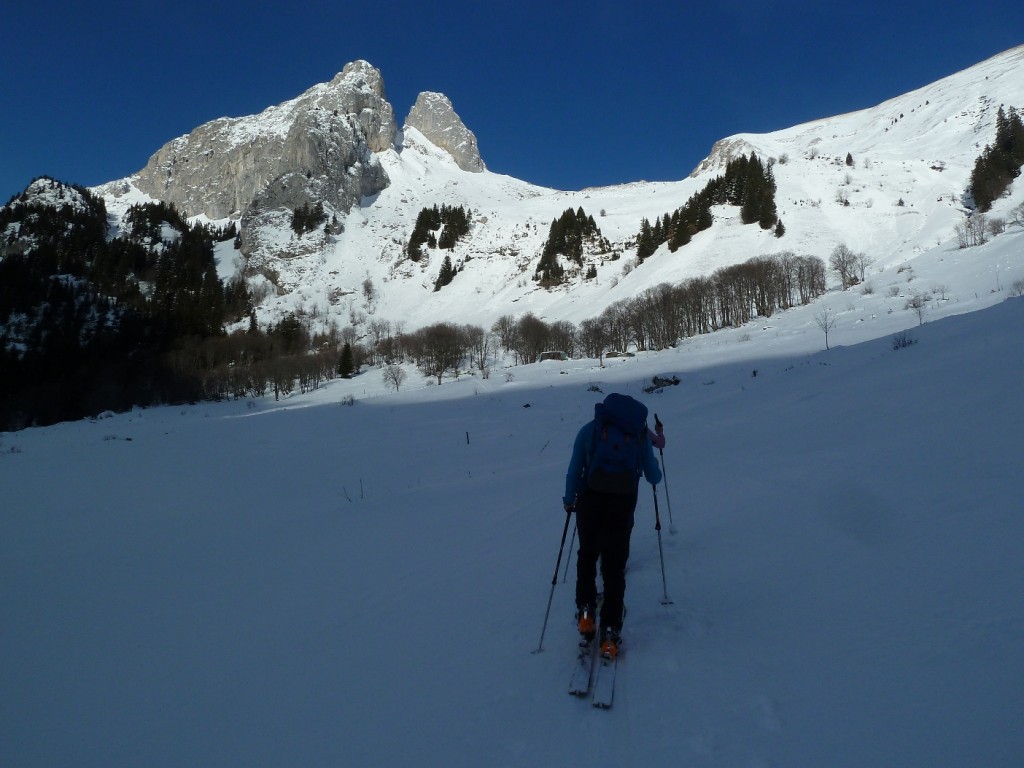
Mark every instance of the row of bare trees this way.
pixel 734 295
pixel 529 336
pixel 252 363
pixel 656 319
pixel 973 230
pixel 444 347
pixel 289 356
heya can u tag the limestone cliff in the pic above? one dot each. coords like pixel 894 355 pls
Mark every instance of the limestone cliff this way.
pixel 434 117
pixel 316 147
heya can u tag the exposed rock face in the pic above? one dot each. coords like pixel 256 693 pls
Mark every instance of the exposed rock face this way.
pixel 722 152
pixel 434 117
pixel 317 147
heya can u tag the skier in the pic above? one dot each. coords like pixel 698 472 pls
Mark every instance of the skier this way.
pixel 608 457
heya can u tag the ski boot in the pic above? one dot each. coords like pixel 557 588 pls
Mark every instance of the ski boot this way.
pixel 585 622
pixel 610 643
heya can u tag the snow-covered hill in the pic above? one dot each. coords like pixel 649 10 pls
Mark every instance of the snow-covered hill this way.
pixel 310 583
pixel 901 199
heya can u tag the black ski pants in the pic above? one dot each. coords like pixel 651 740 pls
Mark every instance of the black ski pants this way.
pixel 604 523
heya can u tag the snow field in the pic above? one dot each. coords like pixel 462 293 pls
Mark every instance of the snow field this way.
pixel 305 583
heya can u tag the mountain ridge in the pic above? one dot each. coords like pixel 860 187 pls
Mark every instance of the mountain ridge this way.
pixel 137 300
pixel 903 196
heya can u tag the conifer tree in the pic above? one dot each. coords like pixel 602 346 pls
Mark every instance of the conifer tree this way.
pixel 657 233
pixel 566 237
pixel 646 244
pixel 747 182
pixel 446 274
pixel 346 365
pixel 1000 163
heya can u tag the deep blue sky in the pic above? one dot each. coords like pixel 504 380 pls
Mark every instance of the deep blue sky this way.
pixel 564 94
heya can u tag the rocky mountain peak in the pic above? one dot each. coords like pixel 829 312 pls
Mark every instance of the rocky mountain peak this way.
pixel 359 90
pixel 316 147
pixel 434 116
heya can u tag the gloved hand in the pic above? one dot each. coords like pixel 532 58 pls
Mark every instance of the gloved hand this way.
pixel 658 436
pixel 569 508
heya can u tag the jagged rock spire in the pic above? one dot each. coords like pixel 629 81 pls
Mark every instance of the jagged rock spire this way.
pixel 434 117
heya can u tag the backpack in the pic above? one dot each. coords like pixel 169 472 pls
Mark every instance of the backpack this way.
pixel 620 428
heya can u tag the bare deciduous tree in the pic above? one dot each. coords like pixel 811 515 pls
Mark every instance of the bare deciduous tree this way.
pixel 438 348
pixel 394 376
pixel 481 345
pixel 862 261
pixel 972 231
pixel 532 338
pixel 826 321
pixel 1017 215
pixel 369 292
pixel 843 262
pixel 564 337
pixel 593 338
pixel 380 338
pixel 918 302
pixel 506 327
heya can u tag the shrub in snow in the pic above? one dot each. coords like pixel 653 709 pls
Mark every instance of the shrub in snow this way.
pixel 901 340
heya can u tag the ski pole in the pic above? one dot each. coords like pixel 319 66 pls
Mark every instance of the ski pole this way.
pixel 657 527
pixel 554 581
pixel 568 560
pixel 664 476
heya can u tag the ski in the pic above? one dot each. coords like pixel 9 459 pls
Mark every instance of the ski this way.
pixel 604 682
pixel 582 672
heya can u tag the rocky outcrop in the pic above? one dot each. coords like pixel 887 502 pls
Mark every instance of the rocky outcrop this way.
pixel 317 147
pixel 722 152
pixel 434 117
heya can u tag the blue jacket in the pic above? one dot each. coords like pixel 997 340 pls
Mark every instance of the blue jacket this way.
pixel 575 478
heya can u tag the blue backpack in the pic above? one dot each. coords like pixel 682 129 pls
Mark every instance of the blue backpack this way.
pixel 620 428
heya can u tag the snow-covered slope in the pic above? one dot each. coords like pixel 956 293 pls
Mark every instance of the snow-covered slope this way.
pixel 305 583
pixel 911 155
